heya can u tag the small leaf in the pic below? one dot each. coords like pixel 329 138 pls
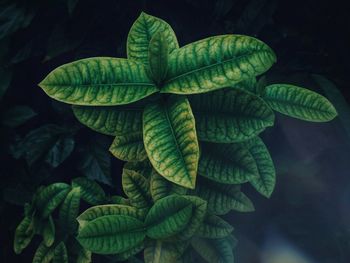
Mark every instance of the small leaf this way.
pixel 222 198
pixel 129 147
pixel 69 211
pixel 171 141
pixel 229 163
pixel 90 191
pixel 141 33
pixel 158 56
pixel 216 62
pixel 265 182
pixel 214 227
pixel 50 197
pixel 23 235
pixel 60 254
pixel 60 151
pixel 168 216
pixel 230 115
pixel 299 103
pixel 49 232
pixel 99 81
pixel 43 254
pixel 112 234
pixel 17 116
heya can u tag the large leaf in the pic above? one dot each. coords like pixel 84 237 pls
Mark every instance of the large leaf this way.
pixel 214 250
pixel 229 163
pixel 105 210
pixel 171 141
pixel 265 182
pixel 160 187
pixel 230 115
pixel 43 254
pixel 216 62
pixel 69 211
pixel 157 251
pixel 112 234
pixel 168 216
pixel 60 254
pixel 49 232
pixel 90 191
pixel 129 147
pixel 50 197
pixel 136 187
pixel 158 56
pixel 23 235
pixel 99 81
pixel 222 198
pixel 214 227
pixel 299 103
pixel 113 121
pixel 141 34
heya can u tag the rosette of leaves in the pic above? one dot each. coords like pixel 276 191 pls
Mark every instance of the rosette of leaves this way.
pixel 52 215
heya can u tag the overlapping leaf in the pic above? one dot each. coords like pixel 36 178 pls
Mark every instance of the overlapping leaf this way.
pixel 159 251
pixel 214 227
pixel 158 52
pixel 129 147
pixel 90 191
pixel 23 235
pixel 49 232
pixel 69 211
pixel 60 254
pixel 43 254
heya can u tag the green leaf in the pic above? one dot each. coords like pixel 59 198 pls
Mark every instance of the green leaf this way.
pixel 111 120
pixel 49 232
pixel 129 253
pixel 214 227
pixel 83 256
pixel 216 62
pixel 99 81
pixel 144 168
pixel 299 103
pixel 50 197
pixel 230 115
pixel 157 251
pixel 136 187
pixel 23 235
pixel 222 198
pixel 229 163
pixel 43 254
pixel 60 254
pixel 171 141
pixel 17 116
pixel 141 33
pixel 168 216
pixel 265 182
pixel 112 234
pixel 158 56
pixel 60 151
pixel 160 187
pixel 90 191
pixel 69 211
pixel 129 147
pixel 106 210
pixel 214 250
pixel 119 200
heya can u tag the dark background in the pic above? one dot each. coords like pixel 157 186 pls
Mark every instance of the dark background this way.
pixel 307 218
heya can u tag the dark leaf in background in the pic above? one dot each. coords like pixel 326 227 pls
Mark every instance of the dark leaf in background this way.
pixel 5 80
pixel 71 4
pixel 60 151
pixel 16 116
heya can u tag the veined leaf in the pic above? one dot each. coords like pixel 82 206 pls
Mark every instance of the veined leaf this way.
pixel 49 232
pixel 50 197
pixel 214 250
pixel 299 103
pixel 106 210
pixel 216 62
pixel 229 163
pixel 136 187
pixel 214 227
pixel 265 182
pixel 141 34
pixel 222 198
pixel 129 253
pixel 23 235
pixel 160 187
pixel 157 251
pixel 43 254
pixel 111 120
pixel 129 147
pixel 83 256
pixel 60 254
pixel 158 56
pixel 118 200
pixel 112 234
pixel 99 81
pixel 144 168
pixel 70 210
pixel 90 191
pixel 168 216
pixel 171 141
pixel 230 115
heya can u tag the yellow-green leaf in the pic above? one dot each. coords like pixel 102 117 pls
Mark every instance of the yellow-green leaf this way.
pixel 129 147
pixel 157 251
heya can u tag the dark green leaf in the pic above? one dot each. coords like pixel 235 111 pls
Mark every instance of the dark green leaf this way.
pixel 17 116
pixel 90 191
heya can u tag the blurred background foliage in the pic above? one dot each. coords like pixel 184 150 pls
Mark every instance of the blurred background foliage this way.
pixel 308 217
